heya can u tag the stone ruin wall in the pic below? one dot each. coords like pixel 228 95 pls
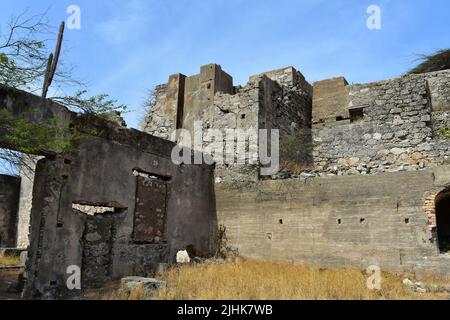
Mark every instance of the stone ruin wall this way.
pixel 362 129
pixel 393 125
pixel 279 99
pixel 368 194
pixel 384 126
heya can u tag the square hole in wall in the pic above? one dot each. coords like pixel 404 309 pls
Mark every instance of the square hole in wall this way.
pixel 339 221
pixel 243 116
pixel 356 115
pixel 407 220
pixel 362 220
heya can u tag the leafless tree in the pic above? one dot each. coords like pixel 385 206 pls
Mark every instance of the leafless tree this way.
pixel 24 53
pixel 24 59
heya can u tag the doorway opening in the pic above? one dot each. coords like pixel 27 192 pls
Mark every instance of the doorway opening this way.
pixel 443 220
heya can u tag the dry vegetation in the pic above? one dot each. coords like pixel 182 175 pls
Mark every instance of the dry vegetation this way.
pixel 253 280
pixel 9 260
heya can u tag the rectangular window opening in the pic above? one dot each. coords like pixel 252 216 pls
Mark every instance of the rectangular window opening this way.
pixel 356 115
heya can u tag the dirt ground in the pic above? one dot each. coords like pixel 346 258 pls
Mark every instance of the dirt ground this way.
pixel 8 284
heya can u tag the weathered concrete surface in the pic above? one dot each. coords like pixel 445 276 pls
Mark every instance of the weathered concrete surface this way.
pixel 27 167
pixel 9 200
pixel 86 207
pixel 330 101
pixel 353 221
pixel 108 247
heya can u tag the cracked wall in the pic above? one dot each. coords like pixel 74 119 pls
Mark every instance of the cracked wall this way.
pixel 87 209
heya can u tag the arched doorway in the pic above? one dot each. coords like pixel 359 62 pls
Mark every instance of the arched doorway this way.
pixel 443 220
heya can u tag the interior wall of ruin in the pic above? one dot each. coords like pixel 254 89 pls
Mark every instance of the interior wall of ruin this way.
pixel 148 209
pixel 9 201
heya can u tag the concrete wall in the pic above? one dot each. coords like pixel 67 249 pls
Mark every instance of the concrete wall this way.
pixel 352 221
pixel 330 101
pixel 9 200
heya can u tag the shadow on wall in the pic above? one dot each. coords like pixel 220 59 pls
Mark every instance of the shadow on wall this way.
pixel 443 220
pixel 296 151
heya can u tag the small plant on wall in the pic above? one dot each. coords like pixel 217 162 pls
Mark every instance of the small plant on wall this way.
pixel 445 132
pixel 223 249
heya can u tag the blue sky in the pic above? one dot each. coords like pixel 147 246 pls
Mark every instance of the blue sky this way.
pixel 126 47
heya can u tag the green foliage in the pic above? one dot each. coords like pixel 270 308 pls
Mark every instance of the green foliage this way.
pixel 10 74
pixel 445 132
pixel 440 60
pixel 98 105
pixel 25 136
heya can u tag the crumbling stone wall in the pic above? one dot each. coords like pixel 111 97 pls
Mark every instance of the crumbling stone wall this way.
pixel 234 111
pixel 285 101
pixel 167 108
pixel 9 200
pixel 278 99
pixel 439 89
pixel 391 125
pixel 438 84
pixel 396 131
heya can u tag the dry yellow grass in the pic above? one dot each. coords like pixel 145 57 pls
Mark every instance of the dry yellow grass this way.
pixel 111 292
pixel 269 280
pixel 255 280
pixel 9 260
